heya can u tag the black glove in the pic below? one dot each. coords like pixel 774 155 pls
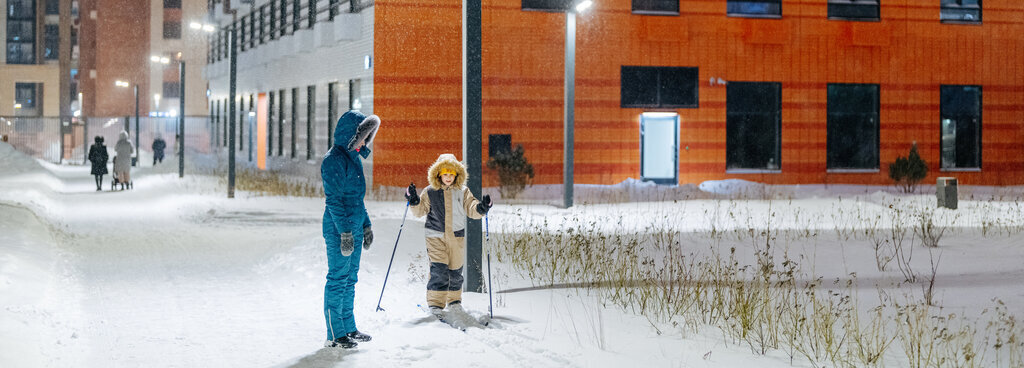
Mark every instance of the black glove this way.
pixel 346 244
pixel 367 237
pixel 411 195
pixel 484 205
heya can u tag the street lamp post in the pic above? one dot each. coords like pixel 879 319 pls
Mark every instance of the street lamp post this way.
pixel 181 120
pixel 570 98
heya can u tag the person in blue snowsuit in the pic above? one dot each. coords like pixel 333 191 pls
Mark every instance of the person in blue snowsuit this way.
pixel 346 225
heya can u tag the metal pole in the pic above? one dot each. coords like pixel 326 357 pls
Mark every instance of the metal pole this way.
pixel 181 120
pixel 233 78
pixel 473 131
pixel 137 131
pixel 570 105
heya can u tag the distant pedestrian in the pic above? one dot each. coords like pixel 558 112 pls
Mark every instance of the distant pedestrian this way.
pixel 123 162
pixel 98 157
pixel 158 149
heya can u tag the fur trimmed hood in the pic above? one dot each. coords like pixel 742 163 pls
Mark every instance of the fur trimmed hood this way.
pixel 447 160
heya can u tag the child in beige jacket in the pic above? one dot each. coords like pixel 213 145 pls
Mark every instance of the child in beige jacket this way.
pixel 446 203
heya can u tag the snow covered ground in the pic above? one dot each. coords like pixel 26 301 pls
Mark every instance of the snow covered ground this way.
pixel 173 274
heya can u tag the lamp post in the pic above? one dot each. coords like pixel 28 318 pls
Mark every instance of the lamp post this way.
pixel 570 98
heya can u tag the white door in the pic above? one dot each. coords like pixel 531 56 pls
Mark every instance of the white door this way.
pixel 659 148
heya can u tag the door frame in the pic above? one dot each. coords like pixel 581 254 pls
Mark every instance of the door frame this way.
pixel 675 151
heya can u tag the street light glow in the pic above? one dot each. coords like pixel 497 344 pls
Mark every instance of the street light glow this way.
pixel 583 5
pixel 154 58
pixel 195 25
pixel 121 83
pixel 209 28
pixel 165 60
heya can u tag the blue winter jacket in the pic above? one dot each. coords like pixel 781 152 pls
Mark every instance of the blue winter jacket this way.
pixel 344 184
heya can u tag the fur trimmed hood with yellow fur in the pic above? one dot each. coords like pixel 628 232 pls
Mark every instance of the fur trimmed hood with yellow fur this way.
pixel 449 161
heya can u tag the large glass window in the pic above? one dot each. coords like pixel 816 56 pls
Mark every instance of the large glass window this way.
pixel 961 10
pixel 21 32
pixel 961 126
pixel 172 4
pixel 754 8
pixel 852 138
pixel 658 87
pixel 52 7
pixel 355 94
pixel 51 47
pixel 853 9
pixel 547 5
pixel 172 89
pixel 662 7
pixel 753 125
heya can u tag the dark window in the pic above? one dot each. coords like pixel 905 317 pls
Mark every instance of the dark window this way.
pixel 853 9
pixel 51 48
pixel 52 7
pixel 21 30
pixel 498 143
pixel 21 9
pixel 658 87
pixel 961 10
pixel 172 4
pixel 547 5
pixel 172 90
pixel 753 125
pixel 852 138
pixel 663 7
pixel 961 126
pixel 172 30
pixel 25 95
pixel 754 7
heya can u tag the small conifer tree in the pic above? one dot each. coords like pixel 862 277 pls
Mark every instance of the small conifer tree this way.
pixel 908 171
pixel 514 171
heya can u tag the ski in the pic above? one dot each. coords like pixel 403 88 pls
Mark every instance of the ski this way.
pixel 458 318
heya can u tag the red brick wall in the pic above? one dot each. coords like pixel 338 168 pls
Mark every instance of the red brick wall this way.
pixel 116 45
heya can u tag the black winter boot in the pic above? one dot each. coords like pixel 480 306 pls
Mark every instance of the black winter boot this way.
pixel 342 342
pixel 358 336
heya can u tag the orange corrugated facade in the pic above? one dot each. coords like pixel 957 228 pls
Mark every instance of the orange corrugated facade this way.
pixel 909 53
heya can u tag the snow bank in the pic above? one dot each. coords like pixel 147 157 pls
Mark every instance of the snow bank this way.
pixel 14 162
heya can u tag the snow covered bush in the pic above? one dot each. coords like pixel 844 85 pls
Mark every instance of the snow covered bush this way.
pixel 514 171
pixel 908 171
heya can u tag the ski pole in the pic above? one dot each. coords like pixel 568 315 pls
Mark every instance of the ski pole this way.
pixel 392 257
pixel 490 295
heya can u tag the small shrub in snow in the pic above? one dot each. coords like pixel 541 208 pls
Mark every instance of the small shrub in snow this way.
pixel 908 171
pixel 514 171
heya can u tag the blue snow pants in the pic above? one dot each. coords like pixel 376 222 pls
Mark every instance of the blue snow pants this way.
pixel 340 290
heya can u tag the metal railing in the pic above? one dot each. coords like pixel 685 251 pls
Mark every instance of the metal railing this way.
pixel 276 19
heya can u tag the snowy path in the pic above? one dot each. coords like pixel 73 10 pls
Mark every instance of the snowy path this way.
pixel 171 274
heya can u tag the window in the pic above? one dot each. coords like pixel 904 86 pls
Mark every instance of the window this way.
pixel 961 126
pixel 961 10
pixel 172 4
pixel 21 32
pixel 52 7
pixel 498 143
pixel 354 95
pixel 753 125
pixel 658 87
pixel 656 7
pixel 21 9
pixel 755 8
pixel 853 9
pixel 51 48
pixel 25 95
pixel 172 30
pixel 172 90
pixel 852 138
pixel 547 5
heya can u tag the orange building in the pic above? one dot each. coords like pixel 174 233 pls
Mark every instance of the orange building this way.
pixel 774 91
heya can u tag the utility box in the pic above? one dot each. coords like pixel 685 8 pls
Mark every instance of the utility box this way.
pixel 945 192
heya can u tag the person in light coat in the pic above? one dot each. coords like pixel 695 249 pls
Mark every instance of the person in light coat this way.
pixel 123 161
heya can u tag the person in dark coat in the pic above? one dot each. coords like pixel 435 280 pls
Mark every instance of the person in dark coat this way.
pixel 346 225
pixel 158 149
pixel 98 157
